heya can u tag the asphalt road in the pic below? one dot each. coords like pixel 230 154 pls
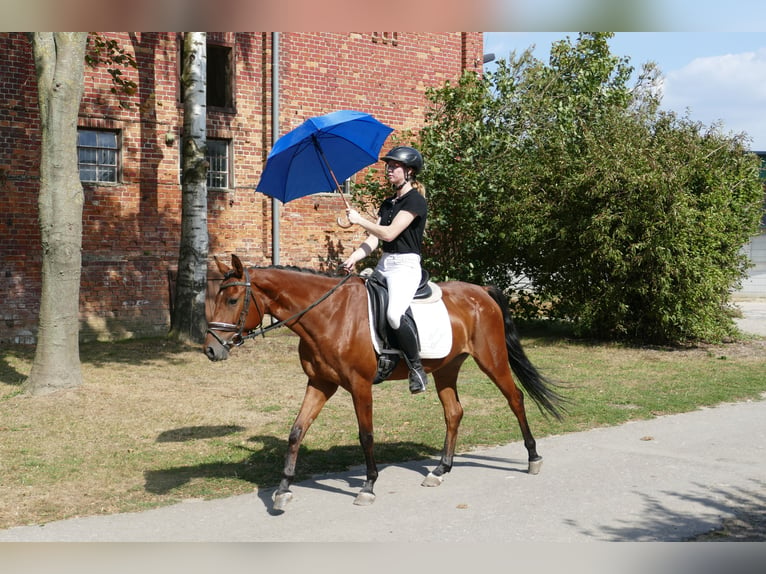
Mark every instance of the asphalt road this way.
pixel 666 479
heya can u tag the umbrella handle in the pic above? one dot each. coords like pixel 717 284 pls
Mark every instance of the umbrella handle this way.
pixel 339 221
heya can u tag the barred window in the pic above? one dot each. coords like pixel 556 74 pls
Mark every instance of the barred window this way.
pixel 219 163
pixel 218 158
pixel 98 156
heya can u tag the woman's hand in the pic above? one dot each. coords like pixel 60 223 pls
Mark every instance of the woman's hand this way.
pixel 353 216
pixel 348 265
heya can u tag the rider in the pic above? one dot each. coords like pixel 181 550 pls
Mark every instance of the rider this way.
pixel 400 226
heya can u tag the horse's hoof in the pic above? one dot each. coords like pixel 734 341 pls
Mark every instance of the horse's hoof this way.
pixel 281 500
pixel 534 466
pixel 432 480
pixel 364 499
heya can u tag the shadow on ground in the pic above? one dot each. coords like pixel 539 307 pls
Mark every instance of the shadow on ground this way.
pixel 263 458
pixel 738 515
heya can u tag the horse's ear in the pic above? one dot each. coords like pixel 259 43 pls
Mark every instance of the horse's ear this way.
pixel 222 267
pixel 237 265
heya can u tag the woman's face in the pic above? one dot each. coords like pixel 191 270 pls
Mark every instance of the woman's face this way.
pixel 395 172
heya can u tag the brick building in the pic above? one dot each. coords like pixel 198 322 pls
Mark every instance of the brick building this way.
pixel 129 159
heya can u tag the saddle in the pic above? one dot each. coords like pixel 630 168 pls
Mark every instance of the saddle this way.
pixel 377 290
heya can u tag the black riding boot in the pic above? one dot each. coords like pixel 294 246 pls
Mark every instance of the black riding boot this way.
pixel 408 344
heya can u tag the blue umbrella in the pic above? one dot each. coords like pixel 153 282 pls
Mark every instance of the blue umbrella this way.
pixel 322 150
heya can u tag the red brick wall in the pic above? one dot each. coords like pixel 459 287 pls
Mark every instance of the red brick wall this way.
pixel 131 229
pixel 19 230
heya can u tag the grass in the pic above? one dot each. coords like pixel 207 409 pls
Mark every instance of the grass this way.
pixel 155 422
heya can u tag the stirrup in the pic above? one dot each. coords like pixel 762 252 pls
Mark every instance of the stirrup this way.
pixel 386 364
pixel 418 381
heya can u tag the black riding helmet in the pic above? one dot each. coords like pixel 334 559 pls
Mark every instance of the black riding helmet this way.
pixel 406 155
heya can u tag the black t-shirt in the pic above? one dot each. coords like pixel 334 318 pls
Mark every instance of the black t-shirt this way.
pixel 409 240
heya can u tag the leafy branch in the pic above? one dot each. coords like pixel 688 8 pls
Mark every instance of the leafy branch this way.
pixel 108 52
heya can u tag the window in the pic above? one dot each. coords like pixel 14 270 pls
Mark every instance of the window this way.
pixel 220 78
pixel 218 158
pixel 219 86
pixel 97 156
pixel 219 164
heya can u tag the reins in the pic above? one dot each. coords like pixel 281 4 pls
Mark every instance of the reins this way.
pixel 239 328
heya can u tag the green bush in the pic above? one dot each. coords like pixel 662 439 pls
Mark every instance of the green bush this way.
pixel 561 183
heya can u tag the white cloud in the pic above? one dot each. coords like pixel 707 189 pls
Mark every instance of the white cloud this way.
pixel 730 88
pixel 719 78
pixel 713 15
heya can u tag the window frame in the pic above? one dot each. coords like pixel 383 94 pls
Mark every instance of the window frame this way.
pixel 227 77
pixel 228 143
pixel 99 165
pixel 229 74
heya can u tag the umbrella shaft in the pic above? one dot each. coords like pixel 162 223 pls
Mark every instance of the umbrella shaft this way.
pixel 335 179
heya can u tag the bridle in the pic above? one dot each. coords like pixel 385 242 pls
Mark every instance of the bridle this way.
pixel 241 334
pixel 239 329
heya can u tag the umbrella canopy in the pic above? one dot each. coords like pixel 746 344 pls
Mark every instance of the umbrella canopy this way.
pixel 320 152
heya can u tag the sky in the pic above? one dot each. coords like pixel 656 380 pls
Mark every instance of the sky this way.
pixel 718 77
pixel 712 53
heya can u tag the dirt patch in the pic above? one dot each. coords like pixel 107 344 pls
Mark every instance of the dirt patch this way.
pixel 748 525
pixel 748 349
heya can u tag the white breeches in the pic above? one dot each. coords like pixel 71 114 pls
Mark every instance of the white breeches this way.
pixel 402 272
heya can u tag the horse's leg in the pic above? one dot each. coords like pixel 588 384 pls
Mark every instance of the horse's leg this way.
pixel 446 386
pixel 317 394
pixel 362 398
pixel 500 373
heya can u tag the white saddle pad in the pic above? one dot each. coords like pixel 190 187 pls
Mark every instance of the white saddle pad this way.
pixel 434 328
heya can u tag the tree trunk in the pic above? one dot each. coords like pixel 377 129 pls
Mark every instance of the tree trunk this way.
pixel 59 63
pixel 188 321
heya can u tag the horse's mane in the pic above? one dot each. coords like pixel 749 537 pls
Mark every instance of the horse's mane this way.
pixel 297 270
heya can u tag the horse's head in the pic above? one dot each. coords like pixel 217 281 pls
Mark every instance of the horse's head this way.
pixel 236 311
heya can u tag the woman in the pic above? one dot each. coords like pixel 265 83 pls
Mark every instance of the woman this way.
pixel 400 226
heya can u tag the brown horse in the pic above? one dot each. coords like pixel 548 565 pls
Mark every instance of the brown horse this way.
pixel 330 316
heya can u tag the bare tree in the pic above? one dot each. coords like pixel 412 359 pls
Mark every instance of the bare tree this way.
pixel 59 64
pixel 188 320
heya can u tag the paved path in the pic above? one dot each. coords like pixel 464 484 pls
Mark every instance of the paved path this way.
pixel 664 479
pixel 754 316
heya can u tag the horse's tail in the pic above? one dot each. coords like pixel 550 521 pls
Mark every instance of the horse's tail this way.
pixel 540 388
